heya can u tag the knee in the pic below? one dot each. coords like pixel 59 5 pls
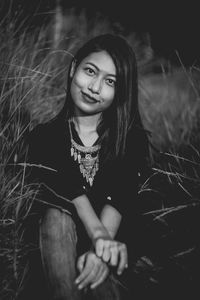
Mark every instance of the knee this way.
pixel 56 224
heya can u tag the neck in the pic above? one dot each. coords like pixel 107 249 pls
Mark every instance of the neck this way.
pixel 86 123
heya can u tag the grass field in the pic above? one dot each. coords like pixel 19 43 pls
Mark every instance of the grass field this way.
pixel 32 90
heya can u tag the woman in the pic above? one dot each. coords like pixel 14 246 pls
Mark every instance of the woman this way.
pixel 87 161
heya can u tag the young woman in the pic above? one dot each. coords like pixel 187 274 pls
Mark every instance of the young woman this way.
pixel 87 161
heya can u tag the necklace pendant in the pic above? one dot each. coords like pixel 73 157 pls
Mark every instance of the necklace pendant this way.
pixel 88 156
pixel 79 158
pixel 72 151
pixel 75 155
pixel 90 181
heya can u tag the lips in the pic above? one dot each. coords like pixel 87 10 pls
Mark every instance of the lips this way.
pixel 89 99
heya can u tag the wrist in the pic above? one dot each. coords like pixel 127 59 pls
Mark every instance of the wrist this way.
pixel 104 235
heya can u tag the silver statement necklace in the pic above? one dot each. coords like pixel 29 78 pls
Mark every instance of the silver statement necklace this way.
pixel 87 158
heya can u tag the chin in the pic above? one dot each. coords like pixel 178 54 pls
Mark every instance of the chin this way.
pixel 84 109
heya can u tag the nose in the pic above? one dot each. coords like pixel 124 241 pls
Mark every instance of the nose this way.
pixel 95 85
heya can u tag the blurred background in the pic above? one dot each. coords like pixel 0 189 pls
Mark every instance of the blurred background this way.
pixel 172 26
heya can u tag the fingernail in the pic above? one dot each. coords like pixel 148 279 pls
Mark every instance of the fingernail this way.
pixel 119 272
pixel 126 266
pixel 80 287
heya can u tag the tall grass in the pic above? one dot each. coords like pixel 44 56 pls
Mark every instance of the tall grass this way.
pixel 170 106
pixel 26 81
pixel 33 82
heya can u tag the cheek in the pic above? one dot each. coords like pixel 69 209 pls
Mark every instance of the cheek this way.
pixel 109 97
pixel 79 80
pixel 76 85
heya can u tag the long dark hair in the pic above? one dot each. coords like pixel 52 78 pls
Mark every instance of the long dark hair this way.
pixel 123 114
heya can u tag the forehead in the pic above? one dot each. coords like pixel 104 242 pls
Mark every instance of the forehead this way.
pixel 101 60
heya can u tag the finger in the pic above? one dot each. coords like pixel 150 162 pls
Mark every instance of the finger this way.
pixel 91 276
pixel 99 246
pixel 96 271
pixel 123 259
pixel 101 279
pixel 84 273
pixel 114 256
pixel 106 254
pixel 98 274
pixel 81 262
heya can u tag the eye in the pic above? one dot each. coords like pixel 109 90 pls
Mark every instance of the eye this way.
pixel 110 82
pixel 89 71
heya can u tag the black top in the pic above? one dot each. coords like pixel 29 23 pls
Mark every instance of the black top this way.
pixel 51 165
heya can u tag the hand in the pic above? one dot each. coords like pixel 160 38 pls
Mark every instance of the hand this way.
pixel 93 271
pixel 112 252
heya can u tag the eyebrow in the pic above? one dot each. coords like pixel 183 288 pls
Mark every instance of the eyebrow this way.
pixel 90 63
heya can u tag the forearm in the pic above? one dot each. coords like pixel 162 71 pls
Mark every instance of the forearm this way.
pixel 102 232
pixel 90 220
pixel 111 219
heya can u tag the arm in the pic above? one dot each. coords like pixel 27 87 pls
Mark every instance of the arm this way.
pixel 93 269
pixel 111 219
pixel 92 223
pixel 108 249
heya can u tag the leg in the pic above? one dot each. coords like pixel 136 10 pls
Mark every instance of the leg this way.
pixel 109 289
pixel 58 251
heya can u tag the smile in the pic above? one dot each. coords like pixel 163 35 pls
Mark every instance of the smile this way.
pixel 90 99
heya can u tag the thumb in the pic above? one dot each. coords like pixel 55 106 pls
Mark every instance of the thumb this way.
pixel 81 262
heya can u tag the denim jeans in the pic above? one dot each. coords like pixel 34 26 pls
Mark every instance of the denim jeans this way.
pixel 58 246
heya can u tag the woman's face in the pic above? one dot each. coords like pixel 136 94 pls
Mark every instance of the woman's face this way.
pixel 93 84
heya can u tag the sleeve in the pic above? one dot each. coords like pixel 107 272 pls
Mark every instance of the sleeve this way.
pixel 122 187
pixel 42 175
pixel 125 175
pixel 122 181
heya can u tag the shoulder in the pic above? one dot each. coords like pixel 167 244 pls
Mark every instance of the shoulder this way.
pixel 46 133
pixel 137 141
pixel 48 142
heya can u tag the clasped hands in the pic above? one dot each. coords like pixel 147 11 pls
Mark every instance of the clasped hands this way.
pixel 94 265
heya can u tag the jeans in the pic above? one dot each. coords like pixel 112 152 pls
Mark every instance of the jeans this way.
pixel 58 241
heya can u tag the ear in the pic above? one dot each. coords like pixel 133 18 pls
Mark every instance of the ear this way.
pixel 73 68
